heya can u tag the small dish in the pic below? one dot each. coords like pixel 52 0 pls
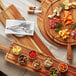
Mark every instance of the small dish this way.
pixel 22 59
pixel 19 35
pixel 53 72
pixel 16 50
pixel 37 65
pixel 48 62
pixel 32 54
pixel 63 67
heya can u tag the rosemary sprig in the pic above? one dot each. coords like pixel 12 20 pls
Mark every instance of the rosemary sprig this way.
pixel 73 26
pixel 58 27
pixel 62 5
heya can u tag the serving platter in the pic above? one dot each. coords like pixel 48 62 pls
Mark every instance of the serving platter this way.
pixel 51 34
pixel 10 57
pixel 33 43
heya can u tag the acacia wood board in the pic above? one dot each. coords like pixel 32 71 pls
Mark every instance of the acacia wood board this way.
pixel 33 43
pixel 51 33
pixel 43 23
pixel 10 57
pixel 45 5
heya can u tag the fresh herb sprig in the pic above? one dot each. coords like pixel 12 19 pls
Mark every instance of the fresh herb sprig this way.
pixel 73 26
pixel 58 27
pixel 62 5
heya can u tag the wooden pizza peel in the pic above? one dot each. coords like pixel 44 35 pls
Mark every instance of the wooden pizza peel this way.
pixel 33 42
pixel 30 42
pixel 42 23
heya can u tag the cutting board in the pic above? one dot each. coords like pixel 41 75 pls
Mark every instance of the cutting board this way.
pixel 33 43
pixel 10 57
pixel 43 23
pixel 40 20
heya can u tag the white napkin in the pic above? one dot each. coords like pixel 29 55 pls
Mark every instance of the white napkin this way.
pixel 19 27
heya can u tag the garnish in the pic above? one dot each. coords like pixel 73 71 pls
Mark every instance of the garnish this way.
pixel 67 18
pixel 22 59
pixel 73 26
pixel 36 64
pixel 56 12
pixel 58 27
pixel 54 22
pixel 66 2
pixel 73 34
pixel 16 50
pixel 48 62
pixel 62 5
pixel 63 67
pixel 53 72
pixel 32 54
pixel 72 5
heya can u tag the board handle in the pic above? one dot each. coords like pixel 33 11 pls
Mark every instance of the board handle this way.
pixel 4 48
pixel 2 5
pixel 69 52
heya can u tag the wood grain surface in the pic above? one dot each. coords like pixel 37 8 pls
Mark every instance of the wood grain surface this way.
pixel 40 20
pixel 31 42
pixel 49 34
pixel 10 57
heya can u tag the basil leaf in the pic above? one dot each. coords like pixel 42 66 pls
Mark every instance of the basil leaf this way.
pixel 59 25
pixel 62 5
pixel 73 26
pixel 57 29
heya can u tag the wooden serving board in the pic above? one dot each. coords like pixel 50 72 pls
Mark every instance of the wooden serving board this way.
pixel 43 22
pixel 10 57
pixel 33 43
pixel 14 59
pixel 51 33
pixel 45 5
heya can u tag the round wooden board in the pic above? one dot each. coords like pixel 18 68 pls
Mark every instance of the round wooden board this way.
pixel 43 22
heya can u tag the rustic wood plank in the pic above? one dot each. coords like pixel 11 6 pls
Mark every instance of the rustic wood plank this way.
pixel 10 13
pixel 43 23
pixel 13 59
pixel 30 42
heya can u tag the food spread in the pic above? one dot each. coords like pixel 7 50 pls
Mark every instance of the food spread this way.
pixel 63 67
pixel 16 50
pixel 61 23
pixel 64 34
pixel 48 62
pixel 53 72
pixel 22 59
pixel 32 54
pixel 39 61
pixel 73 34
pixel 36 64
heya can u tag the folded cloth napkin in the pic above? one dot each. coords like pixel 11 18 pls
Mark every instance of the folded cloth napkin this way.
pixel 22 27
